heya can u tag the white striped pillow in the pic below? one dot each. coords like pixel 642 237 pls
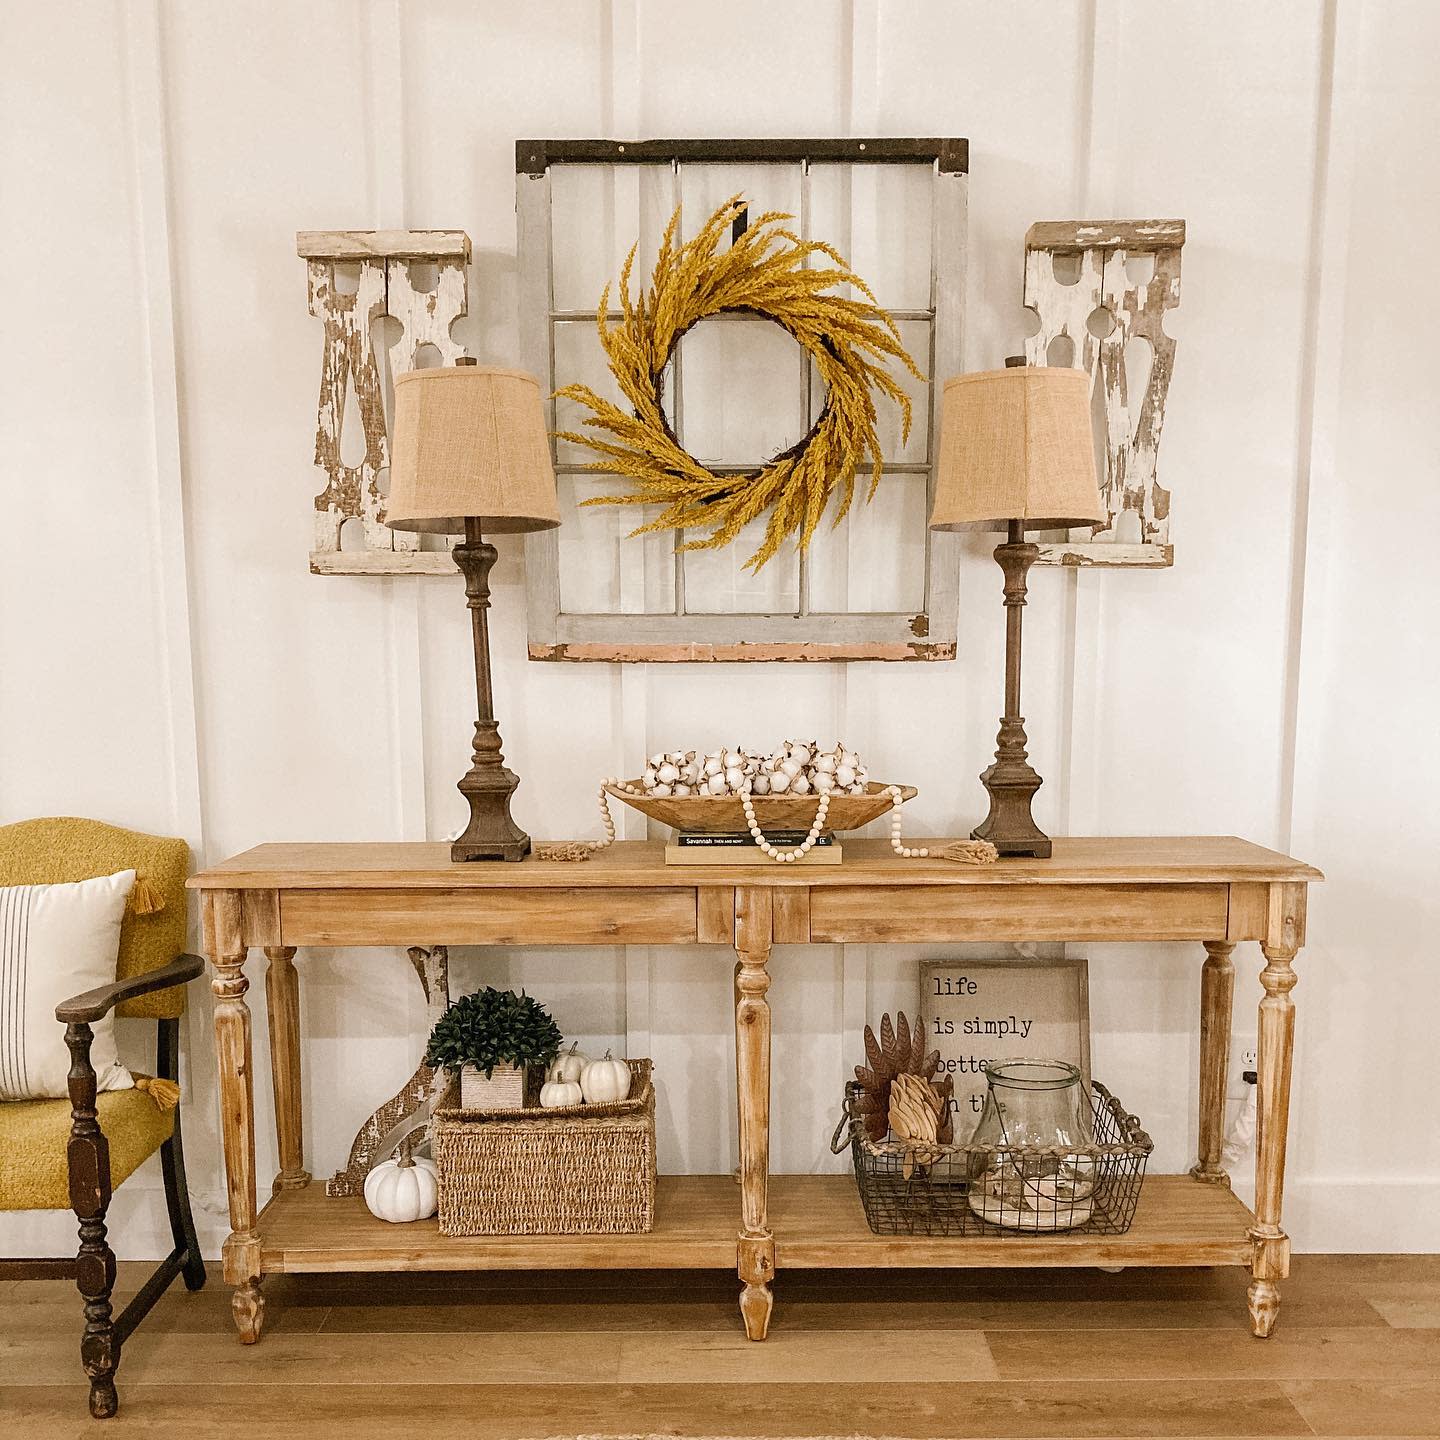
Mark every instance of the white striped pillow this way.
pixel 56 941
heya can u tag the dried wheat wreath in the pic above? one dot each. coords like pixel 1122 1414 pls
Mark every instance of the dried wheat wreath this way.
pixel 763 272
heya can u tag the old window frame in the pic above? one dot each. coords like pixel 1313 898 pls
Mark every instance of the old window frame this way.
pixel 556 634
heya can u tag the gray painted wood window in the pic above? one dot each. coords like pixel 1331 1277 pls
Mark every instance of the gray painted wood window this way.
pixel 739 390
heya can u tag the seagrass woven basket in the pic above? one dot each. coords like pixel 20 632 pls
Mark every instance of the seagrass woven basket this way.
pixel 576 1170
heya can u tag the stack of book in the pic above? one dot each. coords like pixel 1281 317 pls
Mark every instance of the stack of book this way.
pixel 738 847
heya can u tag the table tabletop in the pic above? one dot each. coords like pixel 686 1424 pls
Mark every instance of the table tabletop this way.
pixel 1180 859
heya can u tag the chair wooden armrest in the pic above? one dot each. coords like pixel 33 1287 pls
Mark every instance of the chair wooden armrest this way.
pixel 89 1007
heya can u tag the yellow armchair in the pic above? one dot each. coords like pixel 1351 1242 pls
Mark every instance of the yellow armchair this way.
pixel 56 1154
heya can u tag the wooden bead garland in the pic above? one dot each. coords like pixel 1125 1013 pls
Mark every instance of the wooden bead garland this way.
pixel 822 809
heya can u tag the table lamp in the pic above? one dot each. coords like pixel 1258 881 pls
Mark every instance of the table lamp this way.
pixel 470 451
pixel 1016 453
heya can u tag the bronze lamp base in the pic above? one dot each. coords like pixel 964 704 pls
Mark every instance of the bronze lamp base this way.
pixel 491 834
pixel 1011 780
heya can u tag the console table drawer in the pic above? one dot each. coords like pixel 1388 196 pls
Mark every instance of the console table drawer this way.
pixel 488 917
pixel 1028 912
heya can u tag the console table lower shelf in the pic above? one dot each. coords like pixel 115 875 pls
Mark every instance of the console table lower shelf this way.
pixel 816 1219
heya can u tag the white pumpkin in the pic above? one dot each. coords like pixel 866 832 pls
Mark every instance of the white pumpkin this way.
pixel 569 1064
pixel 605 1080
pixel 402 1189
pixel 555 1093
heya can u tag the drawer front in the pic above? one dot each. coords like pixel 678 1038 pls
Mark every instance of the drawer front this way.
pixel 1018 912
pixel 487 917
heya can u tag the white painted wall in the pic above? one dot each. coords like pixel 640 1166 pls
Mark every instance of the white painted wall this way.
pixel 167 662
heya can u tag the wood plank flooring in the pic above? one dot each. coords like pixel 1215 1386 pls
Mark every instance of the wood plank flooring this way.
pixel 919 1353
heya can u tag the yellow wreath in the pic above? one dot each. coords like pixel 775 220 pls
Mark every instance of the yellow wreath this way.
pixel 763 272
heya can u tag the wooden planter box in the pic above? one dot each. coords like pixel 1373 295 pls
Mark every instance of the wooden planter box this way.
pixel 504 1090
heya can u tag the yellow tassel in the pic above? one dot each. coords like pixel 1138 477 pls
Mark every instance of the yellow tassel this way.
pixel 165 1093
pixel 970 852
pixel 146 898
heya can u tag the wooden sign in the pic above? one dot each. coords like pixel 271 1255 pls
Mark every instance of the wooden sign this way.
pixel 976 1011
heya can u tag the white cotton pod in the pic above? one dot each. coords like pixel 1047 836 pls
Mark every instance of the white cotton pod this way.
pixel 844 776
pixel 734 774
pixel 780 782
pixel 824 783
pixel 716 785
pixel 734 759
pixel 662 790
pixel 760 785
pixel 825 764
pixel 857 788
pixel 682 788
pixel 647 780
pixel 657 759
pixel 668 773
pixel 791 767
pixel 800 754
pixel 713 765
pixel 800 785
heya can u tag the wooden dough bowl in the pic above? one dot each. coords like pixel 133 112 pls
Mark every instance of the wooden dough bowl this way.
pixel 723 813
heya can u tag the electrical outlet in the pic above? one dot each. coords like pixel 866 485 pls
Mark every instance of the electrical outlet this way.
pixel 1244 1055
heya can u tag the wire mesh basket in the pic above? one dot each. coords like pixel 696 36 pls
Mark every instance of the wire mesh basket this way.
pixel 914 1189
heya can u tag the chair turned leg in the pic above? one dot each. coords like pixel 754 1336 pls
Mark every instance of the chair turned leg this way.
pixel 177 1200
pixel 172 1166
pixel 88 1158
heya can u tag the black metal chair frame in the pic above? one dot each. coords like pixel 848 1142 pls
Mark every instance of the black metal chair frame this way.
pixel 88 1157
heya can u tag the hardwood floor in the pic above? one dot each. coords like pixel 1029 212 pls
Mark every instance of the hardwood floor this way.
pixel 1143 1353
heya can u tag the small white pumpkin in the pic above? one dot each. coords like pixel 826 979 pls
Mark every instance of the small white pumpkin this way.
pixel 569 1064
pixel 403 1189
pixel 605 1080
pixel 555 1093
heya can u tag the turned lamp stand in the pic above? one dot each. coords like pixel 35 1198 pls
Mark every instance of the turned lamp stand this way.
pixel 1011 781
pixel 491 834
pixel 1017 452
pixel 471 452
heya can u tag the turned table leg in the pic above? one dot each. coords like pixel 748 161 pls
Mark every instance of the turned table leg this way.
pixel 739 1092
pixel 756 1248
pixel 1217 998
pixel 225 948
pixel 1284 935
pixel 282 1013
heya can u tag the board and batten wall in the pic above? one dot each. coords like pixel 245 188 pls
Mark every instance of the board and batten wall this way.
pixel 167 662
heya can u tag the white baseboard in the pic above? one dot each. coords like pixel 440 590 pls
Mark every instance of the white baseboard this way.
pixel 1363 1217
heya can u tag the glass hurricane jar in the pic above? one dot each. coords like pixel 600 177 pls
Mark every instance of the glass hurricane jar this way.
pixel 1032 1165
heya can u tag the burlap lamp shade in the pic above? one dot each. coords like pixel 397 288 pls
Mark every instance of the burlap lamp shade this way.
pixel 470 442
pixel 1016 444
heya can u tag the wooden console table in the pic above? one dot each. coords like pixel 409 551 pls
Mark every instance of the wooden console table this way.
pixel 1214 890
